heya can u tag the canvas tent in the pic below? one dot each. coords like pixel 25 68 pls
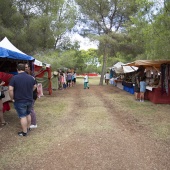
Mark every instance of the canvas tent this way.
pixel 10 56
pixel 148 63
pixel 8 50
pixel 43 74
pixel 120 67
pixel 160 93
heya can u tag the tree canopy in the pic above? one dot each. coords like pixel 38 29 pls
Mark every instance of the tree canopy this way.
pixel 125 29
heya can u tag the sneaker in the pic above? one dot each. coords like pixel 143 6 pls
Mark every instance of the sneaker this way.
pixel 22 134
pixel 33 126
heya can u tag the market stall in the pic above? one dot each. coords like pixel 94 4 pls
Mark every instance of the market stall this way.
pixel 157 73
pixel 43 75
pixel 124 81
pixel 10 56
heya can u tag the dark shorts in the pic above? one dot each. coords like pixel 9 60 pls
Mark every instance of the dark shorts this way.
pixel 23 109
pixel 136 89
pixel 74 80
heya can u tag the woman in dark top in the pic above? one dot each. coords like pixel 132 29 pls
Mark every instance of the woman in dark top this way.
pixel 136 88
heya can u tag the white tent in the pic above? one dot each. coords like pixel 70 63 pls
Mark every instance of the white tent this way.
pixel 120 67
pixel 8 50
pixel 39 63
pixel 5 43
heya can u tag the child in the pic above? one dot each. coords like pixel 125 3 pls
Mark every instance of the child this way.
pixel 142 89
pixel 86 81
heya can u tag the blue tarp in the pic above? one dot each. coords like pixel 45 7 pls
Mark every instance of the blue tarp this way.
pixel 6 53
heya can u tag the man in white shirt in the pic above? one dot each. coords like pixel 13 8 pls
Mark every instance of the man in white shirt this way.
pixel 107 78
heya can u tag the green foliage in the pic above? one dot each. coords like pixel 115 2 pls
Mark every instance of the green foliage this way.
pixel 150 30
pixel 107 17
pixel 36 24
pixel 81 61
pixel 10 20
pixel 126 30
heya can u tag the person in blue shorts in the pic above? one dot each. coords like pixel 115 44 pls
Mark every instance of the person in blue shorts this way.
pixel 21 88
pixel 142 89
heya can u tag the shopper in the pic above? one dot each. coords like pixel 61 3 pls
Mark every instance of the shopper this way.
pixel 35 95
pixel 137 88
pixel 3 123
pixel 21 88
pixel 107 78
pixel 142 89
pixel 86 81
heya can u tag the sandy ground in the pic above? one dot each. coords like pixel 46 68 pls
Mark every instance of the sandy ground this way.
pixel 94 135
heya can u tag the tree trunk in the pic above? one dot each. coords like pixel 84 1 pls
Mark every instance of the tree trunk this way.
pixel 104 66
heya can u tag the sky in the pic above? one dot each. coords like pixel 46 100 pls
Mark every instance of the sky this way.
pixel 85 43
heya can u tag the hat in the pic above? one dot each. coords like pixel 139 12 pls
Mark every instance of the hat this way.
pixel 55 73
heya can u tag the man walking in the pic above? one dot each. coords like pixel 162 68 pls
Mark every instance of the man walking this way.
pixel 21 88
pixel 107 77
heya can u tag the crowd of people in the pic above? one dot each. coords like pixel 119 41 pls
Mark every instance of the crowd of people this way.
pixel 62 80
pixel 23 93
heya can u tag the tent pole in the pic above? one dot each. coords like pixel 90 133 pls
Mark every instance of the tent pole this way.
pixel 156 69
pixel 132 68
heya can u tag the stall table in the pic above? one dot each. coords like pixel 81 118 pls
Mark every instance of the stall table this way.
pixel 128 86
pixel 156 96
pixel 119 84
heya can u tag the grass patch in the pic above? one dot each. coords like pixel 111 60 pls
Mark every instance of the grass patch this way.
pixel 92 117
pixel 162 130
pixel 92 80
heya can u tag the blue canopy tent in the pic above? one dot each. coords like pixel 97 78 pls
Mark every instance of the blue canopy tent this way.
pixel 10 56
pixel 6 53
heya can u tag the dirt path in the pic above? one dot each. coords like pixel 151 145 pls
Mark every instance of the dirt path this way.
pixel 95 135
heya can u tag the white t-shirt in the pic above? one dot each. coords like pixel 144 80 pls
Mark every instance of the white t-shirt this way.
pixel 107 76
pixel 74 75
pixel 85 78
